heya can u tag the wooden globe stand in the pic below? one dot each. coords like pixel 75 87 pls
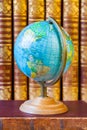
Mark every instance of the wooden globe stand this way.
pixel 43 105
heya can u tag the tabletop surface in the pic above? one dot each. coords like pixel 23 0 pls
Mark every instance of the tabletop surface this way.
pixel 77 109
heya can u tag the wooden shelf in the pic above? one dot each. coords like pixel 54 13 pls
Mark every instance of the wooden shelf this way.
pixel 11 118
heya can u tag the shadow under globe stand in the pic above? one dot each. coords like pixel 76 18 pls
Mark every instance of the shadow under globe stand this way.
pixel 43 51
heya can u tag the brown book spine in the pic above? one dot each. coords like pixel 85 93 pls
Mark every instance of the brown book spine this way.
pixel 20 21
pixel 83 49
pixel 34 89
pixel 71 25
pixel 36 12
pixel 5 49
pixel 53 9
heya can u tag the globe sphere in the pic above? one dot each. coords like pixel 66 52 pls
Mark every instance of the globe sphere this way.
pixel 43 51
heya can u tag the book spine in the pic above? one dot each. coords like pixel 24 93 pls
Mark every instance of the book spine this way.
pixel 20 21
pixel 71 25
pixel 34 89
pixel 83 51
pixel 5 49
pixel 36 12
pixel 53 9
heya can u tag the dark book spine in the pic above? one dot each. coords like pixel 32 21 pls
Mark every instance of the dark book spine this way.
pixel 19 22
pixel 71 25
pixel 5 49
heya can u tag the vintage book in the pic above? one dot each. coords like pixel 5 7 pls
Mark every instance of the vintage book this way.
pixel 5 49
pixel 83 51
pixel 19 22
pixel 53 9
pixel 34 89
pixel 13 119
pixel 71 25
pixel 36 12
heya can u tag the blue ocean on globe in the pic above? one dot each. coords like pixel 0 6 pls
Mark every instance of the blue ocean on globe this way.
pixel 38 50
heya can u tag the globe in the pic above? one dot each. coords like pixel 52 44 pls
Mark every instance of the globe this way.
pixel 43 51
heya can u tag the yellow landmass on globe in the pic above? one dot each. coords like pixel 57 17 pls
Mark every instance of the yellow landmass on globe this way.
pixel 33 75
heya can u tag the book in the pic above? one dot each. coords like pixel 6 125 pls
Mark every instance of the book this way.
pixel 34 89
pixel 83 51
pixel 5 49
pixel 53 9
pixel 36 12
pixel 19 22
pixel 71 25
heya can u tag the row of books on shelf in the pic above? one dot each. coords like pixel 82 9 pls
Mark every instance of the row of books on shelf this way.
pixel 14 16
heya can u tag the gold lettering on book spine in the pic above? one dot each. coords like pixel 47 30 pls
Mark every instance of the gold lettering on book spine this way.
pixel 53 9
pixel 36 10
pixel 5 7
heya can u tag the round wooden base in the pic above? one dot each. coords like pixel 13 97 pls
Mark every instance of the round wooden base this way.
pixel 43 106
